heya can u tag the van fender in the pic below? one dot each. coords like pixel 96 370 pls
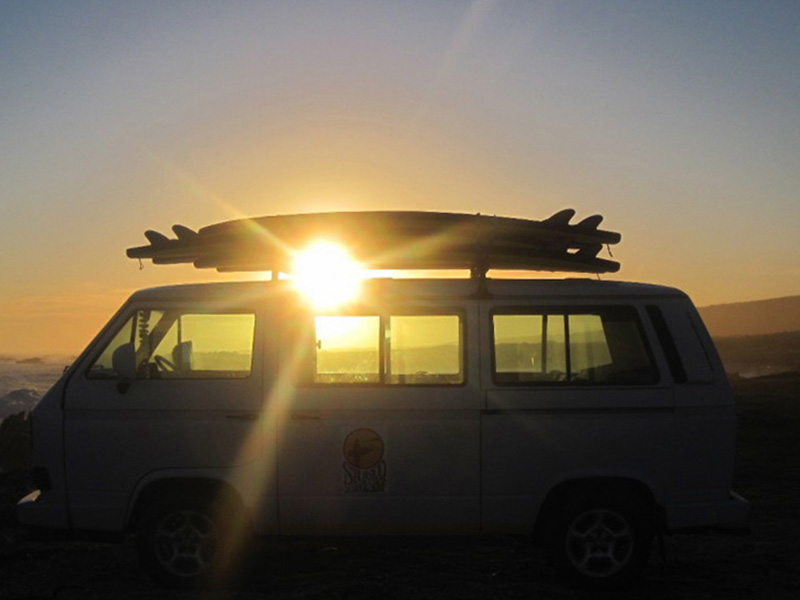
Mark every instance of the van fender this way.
pixel 157 484
pixel 596 481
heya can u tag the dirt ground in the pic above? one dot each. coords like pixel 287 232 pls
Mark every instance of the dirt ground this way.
pixel 763 564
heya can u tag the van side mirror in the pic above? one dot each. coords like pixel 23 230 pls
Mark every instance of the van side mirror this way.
pixel 123 361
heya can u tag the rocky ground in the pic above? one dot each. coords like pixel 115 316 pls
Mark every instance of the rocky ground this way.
pixel 764 564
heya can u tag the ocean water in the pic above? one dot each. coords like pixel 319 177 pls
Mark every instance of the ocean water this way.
pixel 22 384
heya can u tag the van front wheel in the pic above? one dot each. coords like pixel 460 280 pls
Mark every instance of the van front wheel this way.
pixel 186 543
pixel 600 543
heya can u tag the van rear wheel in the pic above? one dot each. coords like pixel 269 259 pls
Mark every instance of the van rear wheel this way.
pixel 190 543
pixel 601 542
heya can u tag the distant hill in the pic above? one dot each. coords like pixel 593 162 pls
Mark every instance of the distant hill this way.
pixel 758 355
pixel 760 317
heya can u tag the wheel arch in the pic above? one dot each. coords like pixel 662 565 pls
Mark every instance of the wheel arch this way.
pixel 179 486
pixel 560 493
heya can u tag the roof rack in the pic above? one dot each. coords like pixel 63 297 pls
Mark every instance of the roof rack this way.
pixel 397 240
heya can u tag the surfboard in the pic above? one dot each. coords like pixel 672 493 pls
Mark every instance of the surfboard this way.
pixel 398 240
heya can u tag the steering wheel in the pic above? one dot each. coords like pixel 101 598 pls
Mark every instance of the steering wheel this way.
pixel 163 363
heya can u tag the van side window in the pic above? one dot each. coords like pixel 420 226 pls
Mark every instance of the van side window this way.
pixel 424 349
pixel 347 349
pixel 603 346
pixel 183 344
pixel 391 350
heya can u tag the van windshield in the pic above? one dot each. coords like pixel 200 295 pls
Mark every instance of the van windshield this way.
pixel 180 344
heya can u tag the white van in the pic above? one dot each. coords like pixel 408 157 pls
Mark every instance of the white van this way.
pixel 589 415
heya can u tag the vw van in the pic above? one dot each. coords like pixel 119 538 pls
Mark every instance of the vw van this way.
pixel 589 416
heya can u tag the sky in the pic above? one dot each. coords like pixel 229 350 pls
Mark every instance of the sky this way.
pixel 678 121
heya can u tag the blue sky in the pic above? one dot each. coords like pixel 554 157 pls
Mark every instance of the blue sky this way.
pixel 679 121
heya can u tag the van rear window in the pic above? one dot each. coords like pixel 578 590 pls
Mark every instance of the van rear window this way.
pixel 602 346
pixel 667 344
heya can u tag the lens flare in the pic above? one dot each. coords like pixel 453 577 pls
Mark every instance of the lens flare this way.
pixel 326 275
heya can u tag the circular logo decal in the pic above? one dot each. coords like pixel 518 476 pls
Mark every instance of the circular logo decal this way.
pixel 363 448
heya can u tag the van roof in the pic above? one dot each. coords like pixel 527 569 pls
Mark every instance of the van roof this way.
pixel 421 288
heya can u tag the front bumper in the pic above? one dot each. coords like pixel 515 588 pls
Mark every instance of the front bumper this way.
pixel 38 509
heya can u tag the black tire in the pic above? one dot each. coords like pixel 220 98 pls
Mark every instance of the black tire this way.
pixel 601 541
pixel 188 542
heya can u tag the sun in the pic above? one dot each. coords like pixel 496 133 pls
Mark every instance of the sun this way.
pixel 326 275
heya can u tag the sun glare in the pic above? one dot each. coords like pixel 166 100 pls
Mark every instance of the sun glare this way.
pixel 326 275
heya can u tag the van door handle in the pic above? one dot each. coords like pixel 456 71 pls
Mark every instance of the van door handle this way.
pixel 245 416
pixel 306 416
